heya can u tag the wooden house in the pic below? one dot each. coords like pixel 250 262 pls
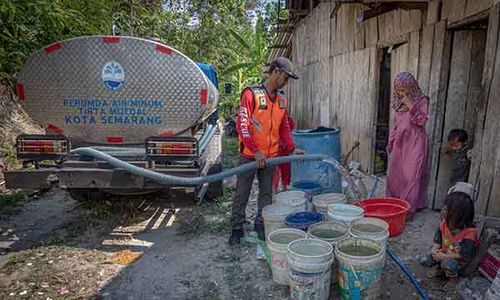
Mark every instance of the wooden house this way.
pixel 347 53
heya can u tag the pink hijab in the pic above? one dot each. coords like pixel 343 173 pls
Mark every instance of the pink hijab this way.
pixel 407 80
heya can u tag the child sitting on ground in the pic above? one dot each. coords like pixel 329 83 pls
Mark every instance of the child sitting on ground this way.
pixel 455 241
pixel 461 154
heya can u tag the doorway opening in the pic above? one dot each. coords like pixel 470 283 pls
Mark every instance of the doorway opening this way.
pixel 383 113
pixel 464 91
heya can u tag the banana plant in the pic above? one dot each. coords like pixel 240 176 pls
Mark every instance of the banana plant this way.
pixel 251 55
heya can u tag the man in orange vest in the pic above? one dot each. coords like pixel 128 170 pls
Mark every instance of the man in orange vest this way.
pixel 261 123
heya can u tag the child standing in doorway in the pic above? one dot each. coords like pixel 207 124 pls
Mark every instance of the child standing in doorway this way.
pixel 455 241
pixel 461 154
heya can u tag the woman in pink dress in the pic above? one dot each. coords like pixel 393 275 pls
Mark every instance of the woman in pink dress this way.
pixel 408 147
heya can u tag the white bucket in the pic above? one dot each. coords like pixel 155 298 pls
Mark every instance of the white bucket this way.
pixel 371 229
pixel 292 198
pixel 332 232
pixel 345 212
pixel 310 263
pixel 322 201
pixel 329 231
pixel 359 268
pixel 277 243
pixel 274 217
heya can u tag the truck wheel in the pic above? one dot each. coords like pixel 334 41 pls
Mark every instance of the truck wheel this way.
pixel 215 189
pixel 85 195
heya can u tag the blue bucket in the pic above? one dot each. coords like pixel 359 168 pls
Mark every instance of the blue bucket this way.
pixel 311 188
pixel 302 220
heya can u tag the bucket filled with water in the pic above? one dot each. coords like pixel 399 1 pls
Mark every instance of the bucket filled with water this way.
pixel 274 217
pixel 277 243
pixel 329 231
pixel 371 229
pixel 345 212
pixel 310 263
pixel 295 199
pixel 332 232
pixel 359 268
pixel 321 202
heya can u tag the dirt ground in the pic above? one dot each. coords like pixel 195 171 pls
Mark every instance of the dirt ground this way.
pixel 60 249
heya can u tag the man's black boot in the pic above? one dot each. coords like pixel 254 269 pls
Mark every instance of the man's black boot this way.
pixel 259 228
pixel 236 236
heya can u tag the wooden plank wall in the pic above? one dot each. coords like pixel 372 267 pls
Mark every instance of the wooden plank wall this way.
pixel 415 54
pixel 464 87
pixel 338 62
pixel 485 173
pixel 352 105
pixel 437 95
pixel 457 10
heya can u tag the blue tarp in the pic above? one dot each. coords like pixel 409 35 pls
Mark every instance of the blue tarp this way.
pixel 210 73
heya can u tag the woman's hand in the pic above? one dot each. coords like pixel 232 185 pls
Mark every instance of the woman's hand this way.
pixel 407 102
pixel 403 109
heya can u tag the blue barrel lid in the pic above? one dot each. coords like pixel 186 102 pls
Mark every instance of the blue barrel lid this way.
pixel 317 131
pixel 310 186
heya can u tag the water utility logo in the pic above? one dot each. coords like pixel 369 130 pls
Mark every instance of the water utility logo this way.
pixel 113 75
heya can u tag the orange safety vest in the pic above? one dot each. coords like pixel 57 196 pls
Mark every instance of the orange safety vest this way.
pixel 266 119
pixel 450 242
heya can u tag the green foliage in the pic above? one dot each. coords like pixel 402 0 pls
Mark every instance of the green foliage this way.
pixel 233 35
pixel 26 26
pixel 230 155
pixel 10 202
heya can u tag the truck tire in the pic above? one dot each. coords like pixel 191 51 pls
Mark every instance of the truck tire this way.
pixel 86 195
pixel 215 189
pixel 212 156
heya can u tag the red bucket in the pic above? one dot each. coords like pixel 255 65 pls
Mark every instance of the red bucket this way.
pixel 391 210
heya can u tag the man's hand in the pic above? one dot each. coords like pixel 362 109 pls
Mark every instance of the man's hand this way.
pixel 298 152
pixel 260 158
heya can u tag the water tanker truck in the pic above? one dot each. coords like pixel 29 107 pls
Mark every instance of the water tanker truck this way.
pixel 135 99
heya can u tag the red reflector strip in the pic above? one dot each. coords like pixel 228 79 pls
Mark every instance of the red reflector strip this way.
pixel 204 94
pixel 38 146
pixel 20 91
pixel 167 133
pixel 114 139
pixel 176 148
pixel 52 48
pixel 163 49
pixel 55 129
pixel 111 40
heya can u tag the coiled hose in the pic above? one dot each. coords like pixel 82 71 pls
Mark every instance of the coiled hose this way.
pixel 396 260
